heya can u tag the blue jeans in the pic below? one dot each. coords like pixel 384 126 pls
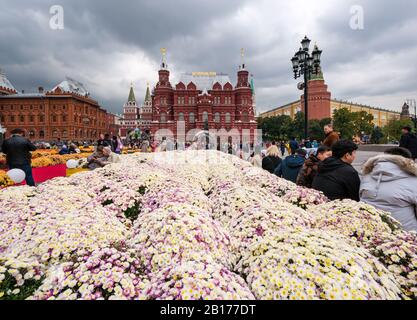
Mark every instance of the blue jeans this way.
pixel 27 169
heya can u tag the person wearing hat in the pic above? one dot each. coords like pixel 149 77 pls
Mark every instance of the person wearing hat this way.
pixel 291 165
pixel 409 141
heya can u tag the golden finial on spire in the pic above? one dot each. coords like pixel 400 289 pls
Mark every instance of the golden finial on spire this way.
pixel 164 53
pixel 242 56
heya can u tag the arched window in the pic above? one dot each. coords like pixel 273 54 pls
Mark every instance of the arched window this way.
pixel 192 117
pixel 181 100
pixel 41 134
pixel 181 116
pixel 163 117
pixel 65 134
pixel 31 134
pixel 227 118
pixel 205 116
pixel 55 134
pixel 245 117
pixel 217 117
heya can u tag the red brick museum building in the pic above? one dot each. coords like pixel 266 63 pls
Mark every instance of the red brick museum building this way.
pixel 198 100
pixel 67 112
pixel 203 97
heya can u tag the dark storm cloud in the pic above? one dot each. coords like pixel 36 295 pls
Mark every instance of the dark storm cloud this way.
pixel 382 50
pixel 106 44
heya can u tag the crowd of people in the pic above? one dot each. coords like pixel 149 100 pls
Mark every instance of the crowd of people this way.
pixel 387 182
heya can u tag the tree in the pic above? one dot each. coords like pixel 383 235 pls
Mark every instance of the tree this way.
pixel 275 128
pixel 392 131
pixel 297 128
pixel 343 122
pixel 316 130
pixel 286 124
pixel 363 122
pixel 324 122
pixel 283 127
pixel 376 135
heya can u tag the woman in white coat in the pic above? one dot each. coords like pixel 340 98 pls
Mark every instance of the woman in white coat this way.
pixel 390 183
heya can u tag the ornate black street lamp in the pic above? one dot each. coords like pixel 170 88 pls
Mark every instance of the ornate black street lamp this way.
pixel 306 64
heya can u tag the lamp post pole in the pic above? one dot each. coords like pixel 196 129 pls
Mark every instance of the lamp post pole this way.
pixel 415 113
pixel 306 64
pixel 306 78
pixel 206 129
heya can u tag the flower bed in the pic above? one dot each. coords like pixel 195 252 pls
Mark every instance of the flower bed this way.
pixel 42 158
pixel 54 160
pixel 5 181
pixel 196 225
pixel 46 168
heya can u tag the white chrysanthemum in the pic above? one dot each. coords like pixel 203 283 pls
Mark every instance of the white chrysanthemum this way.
pixel 353 219
pixel 203 280
pixel 315 264
pixel 179 232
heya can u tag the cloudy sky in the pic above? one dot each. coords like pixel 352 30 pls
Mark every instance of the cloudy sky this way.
pixel 107 44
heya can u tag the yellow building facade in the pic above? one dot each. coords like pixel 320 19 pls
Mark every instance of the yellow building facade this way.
pixel 381 116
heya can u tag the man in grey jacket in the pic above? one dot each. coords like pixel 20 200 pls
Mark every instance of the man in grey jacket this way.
pixel 389 184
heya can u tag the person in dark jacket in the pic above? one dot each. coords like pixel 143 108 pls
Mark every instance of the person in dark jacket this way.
pixel 409 141
pixel 294 146
pixel 17 150
pixel 336 177
pixel 272 159
pixel 108 142
pixel 72 149
pixel 105 141
pixel 59 143
pixel 291 166
pixel 64 150
pixel 307 143
pixel 309 170
pixel 282 147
